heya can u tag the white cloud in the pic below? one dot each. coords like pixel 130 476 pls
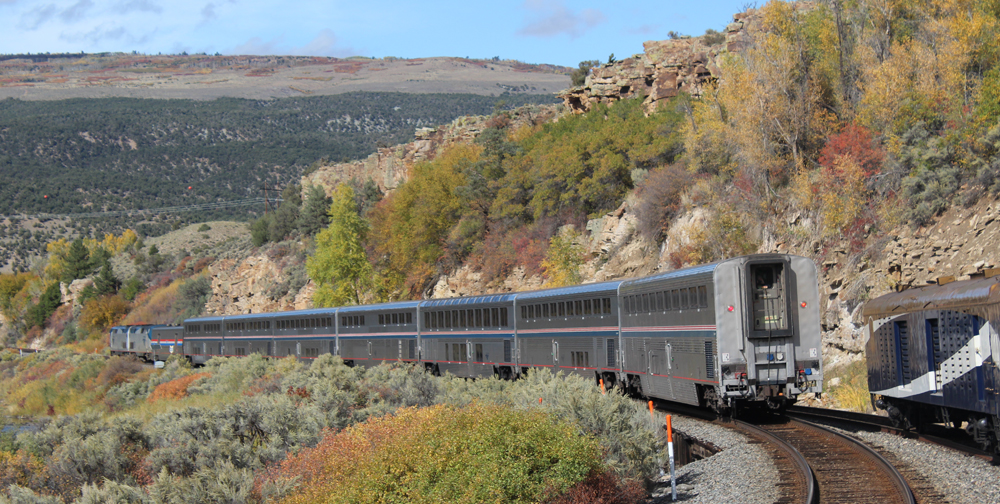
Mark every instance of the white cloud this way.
pixel 552 17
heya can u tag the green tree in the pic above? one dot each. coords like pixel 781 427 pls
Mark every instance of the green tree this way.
pixel 340 266
pixel 313 217
pixel 106 283
pixel 285 219
pixel 77 262
pixel 38 313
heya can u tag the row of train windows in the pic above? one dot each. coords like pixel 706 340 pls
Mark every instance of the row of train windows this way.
pixel 579 307
pixel 253 325
pixel 459 319
pixel 675 299
pixel 308 323
pixel 458 352
pixel 395 318
pixel 197 328
pixel 352 321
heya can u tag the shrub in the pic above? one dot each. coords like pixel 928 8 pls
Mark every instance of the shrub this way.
pixel 119 370
pixel 204 227
pixel 660 200
pixel 605 487
pixel 474 454
pixel 174 389
pixel 99 314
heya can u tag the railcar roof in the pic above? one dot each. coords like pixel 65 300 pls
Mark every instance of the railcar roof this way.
pixel 591 288
pixel 457 301
pixel 954 295
pixel 396 305
pixel 670 275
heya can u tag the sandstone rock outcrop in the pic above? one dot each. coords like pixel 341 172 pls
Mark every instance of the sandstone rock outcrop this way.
pixel 391 166
pixel 666 67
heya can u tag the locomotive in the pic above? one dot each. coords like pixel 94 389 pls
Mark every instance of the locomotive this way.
pixel 932 356
pixel 742 331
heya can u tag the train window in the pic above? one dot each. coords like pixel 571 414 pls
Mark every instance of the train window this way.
pixel 569 308
pixel 240 351
pixel 578 307
pixel 461 319
pixel 675 299
pixel 470 317
pixel 646 308
pixel 607 305
pixel 524 312
pixel 658 297
pixel 479 316
pixel 381 319
pixel 496 316
pixel 479 352
pixel 343 321
pixel 427 320
pixel 531 312
pixel 486 316
pixel 455 319
pixel 553 309
pixel 395 318
pixel 703 296
pixel 561 310
pixel 447 319
pixel 440 320
pixel 409 318
pixel 545 310
pixel 587 310
pixel 503 318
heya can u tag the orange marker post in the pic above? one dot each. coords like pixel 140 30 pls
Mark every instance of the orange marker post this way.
pixel 539 400
pixel 602 387
pixel 652 419
pixel 670 453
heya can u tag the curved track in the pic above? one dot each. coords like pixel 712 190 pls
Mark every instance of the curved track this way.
pixel 846 470
pixel 797 482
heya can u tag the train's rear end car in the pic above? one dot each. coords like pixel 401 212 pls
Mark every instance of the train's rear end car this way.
pixel 932 354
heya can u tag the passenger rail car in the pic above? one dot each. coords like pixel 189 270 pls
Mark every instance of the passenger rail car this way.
pixel 932 356
pixel 740 331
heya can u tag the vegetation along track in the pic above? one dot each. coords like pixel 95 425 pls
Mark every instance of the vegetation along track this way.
pixel 845 470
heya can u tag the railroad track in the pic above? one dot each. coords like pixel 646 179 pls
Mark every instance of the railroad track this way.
pixel 843 469
pixel 937 435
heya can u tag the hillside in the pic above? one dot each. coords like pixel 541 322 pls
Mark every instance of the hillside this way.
pixel 204 77
pixel 124 155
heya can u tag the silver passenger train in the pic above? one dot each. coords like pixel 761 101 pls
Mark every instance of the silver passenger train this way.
pixel 737 332
pixel 933 353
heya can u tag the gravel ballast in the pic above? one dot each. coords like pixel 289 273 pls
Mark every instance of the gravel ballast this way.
pixel 742 472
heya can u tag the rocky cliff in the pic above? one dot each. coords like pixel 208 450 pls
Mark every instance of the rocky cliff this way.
pixel 667 68
pixel 390 166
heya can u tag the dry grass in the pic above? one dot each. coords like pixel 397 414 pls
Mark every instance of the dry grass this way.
pixel 852 391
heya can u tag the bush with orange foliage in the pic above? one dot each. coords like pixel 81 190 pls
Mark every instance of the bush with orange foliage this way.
pixel 175 389
pixel 472 454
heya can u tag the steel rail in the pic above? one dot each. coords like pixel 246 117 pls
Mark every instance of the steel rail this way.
pixel 898 481
pixel 799 460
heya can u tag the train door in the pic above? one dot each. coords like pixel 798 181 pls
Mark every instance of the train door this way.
pixel 670 371
pixel 649 387
pixel 992 367
pixel 555 354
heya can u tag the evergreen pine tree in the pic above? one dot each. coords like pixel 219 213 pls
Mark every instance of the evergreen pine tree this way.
pixel 77 262
pixel 106 282
pixel 313 217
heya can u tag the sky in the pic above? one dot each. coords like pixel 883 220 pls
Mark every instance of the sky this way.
pixel 533 31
